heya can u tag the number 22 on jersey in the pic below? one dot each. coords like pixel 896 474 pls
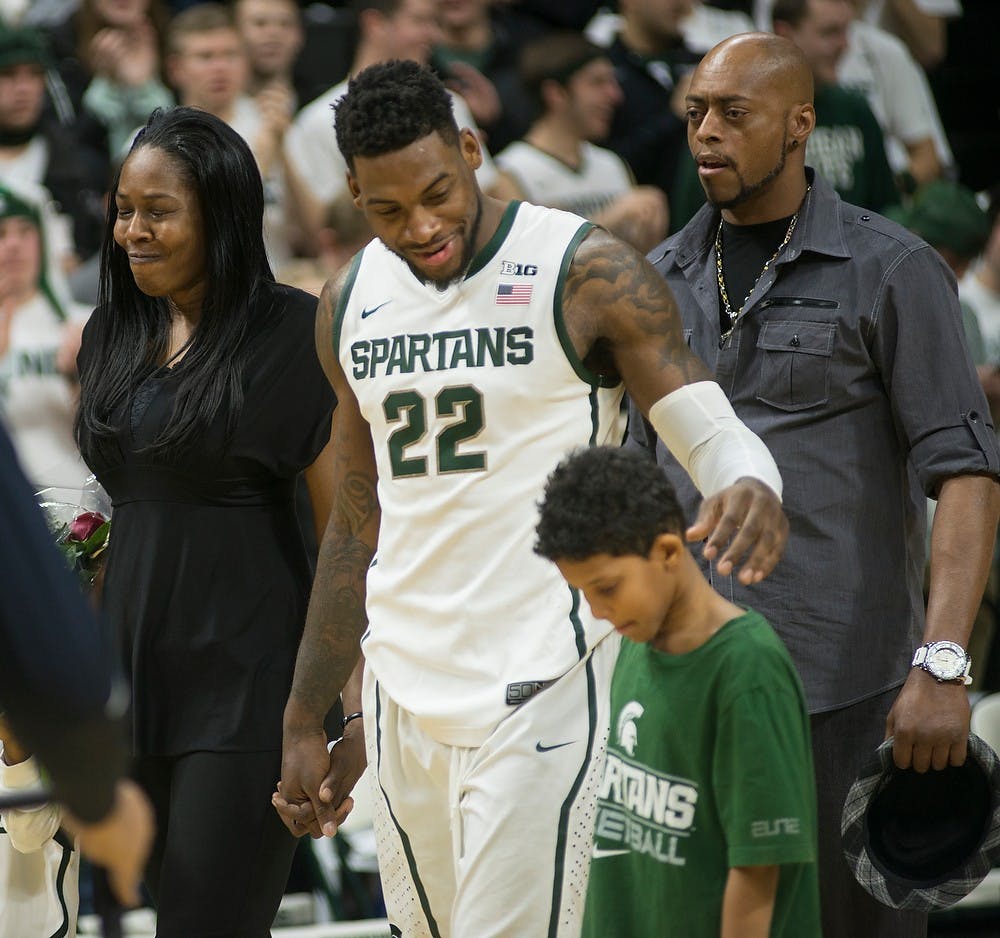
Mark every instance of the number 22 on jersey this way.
pixel 410 409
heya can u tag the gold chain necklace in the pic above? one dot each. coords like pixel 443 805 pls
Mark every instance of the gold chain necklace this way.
pixel 727 307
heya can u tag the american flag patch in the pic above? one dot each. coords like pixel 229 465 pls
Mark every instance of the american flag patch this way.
pixel 513 294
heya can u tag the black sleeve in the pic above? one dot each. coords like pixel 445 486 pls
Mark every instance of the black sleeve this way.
pixel 55 676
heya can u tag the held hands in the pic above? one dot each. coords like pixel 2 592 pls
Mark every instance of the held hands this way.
pixel 929 723
pixel 747 517
pixel 313 796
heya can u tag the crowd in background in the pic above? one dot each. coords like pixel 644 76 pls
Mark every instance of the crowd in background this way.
pixel 81 76
pixel 580 105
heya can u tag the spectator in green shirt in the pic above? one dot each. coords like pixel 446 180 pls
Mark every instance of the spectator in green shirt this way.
pixel 847 147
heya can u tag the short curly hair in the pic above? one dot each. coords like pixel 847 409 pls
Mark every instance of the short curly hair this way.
pixel 605 500
pixel 389 106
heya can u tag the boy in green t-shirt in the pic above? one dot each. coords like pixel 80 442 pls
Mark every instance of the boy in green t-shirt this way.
pixel 706 820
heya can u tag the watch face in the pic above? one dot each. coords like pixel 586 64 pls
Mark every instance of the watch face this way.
pixel 946 661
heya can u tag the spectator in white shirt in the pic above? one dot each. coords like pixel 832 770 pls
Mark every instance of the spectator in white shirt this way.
pixel 879 65
pixel 558 163
pixel 208 65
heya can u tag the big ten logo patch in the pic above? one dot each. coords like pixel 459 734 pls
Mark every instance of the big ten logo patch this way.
pixel 511 269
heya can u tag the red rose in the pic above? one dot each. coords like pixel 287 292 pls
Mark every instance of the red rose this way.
pixel 85 524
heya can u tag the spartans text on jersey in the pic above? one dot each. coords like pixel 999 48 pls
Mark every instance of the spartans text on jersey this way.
pixel 440 351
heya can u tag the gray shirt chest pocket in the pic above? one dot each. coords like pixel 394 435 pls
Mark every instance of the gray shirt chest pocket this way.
pixel 795 359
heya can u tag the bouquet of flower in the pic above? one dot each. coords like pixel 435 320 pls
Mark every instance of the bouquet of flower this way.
pixel 79 520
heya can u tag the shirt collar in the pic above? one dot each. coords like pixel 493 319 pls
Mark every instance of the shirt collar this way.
pixel 821 227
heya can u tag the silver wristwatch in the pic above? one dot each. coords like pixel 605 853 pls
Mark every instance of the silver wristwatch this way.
pixel 945 661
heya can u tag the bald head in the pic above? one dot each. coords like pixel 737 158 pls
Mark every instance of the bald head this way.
pixel 750 113
pixel 765 62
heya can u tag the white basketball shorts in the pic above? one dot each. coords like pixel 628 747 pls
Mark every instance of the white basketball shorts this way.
pixel 494 841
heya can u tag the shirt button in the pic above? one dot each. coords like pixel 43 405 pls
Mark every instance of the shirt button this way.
pixel 866 218
pixel 795 341
pixel 973 415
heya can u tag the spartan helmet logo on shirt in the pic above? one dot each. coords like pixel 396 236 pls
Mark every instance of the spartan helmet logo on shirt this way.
pixel 628 734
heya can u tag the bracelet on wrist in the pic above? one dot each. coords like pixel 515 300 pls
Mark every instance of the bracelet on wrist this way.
pixel 349 717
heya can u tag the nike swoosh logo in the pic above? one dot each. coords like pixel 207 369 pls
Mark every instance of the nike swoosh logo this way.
pixel 540 748
pixel 365 313
pixel 601 852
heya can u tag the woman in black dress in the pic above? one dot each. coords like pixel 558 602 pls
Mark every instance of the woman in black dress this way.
pixel 201 401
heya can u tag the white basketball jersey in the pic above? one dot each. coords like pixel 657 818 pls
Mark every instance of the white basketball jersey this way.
pixel 588 189
pixel 473 394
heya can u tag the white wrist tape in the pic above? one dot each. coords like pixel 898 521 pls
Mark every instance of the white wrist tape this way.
pixel 699 426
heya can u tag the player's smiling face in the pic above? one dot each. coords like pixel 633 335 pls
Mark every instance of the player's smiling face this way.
pixel 424 204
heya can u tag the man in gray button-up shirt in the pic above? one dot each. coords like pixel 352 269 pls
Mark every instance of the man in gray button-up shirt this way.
pixel 847 358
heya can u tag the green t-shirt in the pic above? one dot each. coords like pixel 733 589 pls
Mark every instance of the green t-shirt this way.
pixel 709 766
pixel 847 149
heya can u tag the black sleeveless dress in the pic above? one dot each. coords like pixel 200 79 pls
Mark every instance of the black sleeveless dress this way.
pixel 207 580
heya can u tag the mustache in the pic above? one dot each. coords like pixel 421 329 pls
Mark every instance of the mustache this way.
pixel 705 157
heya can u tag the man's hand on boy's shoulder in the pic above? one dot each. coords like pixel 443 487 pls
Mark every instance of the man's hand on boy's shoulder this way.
pixel 748 517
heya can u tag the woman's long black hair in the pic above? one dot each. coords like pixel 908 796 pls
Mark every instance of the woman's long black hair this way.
pixel 129 333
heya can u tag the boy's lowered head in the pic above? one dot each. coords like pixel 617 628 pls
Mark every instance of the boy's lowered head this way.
pixel 610 522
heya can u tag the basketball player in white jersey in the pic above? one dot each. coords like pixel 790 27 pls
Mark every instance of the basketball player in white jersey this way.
pixel 471 346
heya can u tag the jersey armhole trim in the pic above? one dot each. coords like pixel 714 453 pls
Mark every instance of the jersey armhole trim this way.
pixel 342 300
pixel 582 371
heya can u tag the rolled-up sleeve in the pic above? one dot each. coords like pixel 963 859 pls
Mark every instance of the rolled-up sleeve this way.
pixel 939 407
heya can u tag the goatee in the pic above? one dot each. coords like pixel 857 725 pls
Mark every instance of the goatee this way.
pixel 748 192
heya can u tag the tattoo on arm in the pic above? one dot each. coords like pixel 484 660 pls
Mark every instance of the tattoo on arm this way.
pixel 615 302
pixel 357 502
pixel 324 325
pixel 337 619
